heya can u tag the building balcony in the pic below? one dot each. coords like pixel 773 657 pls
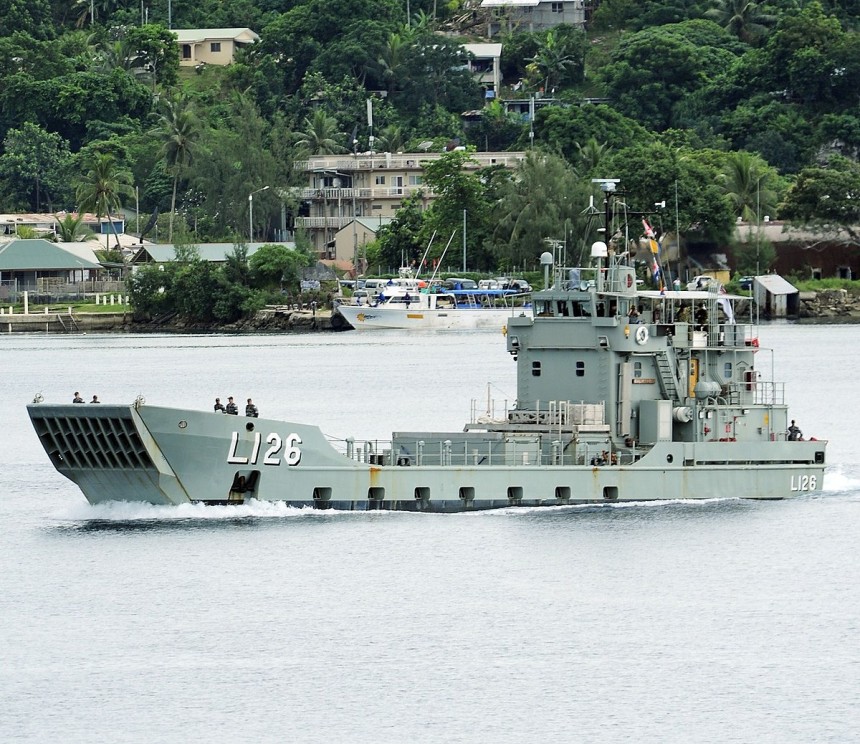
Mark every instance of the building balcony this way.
pixel 400 161
pixel 324 223
pixel 375 193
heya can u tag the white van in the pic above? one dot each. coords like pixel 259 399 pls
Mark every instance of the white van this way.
pixel 374 287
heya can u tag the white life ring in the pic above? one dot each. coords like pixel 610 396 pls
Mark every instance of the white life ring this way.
pixel 642 335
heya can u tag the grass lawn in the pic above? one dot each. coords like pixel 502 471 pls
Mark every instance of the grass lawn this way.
pixel 82 307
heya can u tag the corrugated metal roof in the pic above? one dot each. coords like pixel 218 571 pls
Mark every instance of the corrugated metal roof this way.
pixel 775 284
pixel 40 255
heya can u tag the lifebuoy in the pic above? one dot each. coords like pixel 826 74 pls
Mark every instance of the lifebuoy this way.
pixel 642 335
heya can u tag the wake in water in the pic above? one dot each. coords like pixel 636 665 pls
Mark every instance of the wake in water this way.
pixel 841 479
pixel 123 513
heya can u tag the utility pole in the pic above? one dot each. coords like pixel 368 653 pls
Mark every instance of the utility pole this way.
pixel 464 240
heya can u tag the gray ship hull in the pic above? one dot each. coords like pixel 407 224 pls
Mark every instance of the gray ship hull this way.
pixel 168 456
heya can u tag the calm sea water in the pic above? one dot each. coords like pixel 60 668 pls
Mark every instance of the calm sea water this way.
pixel 727 621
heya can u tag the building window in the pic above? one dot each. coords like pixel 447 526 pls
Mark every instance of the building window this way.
pixel 580 369
pixel 557 8
pixel 416 180
pixel 380 180
pixel 377 206
pixel 186 51
pixel 215 46
pixel 535 369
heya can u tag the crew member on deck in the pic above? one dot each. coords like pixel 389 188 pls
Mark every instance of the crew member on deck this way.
pixel 251 409
pixel 96 400
pixel 219 407
pixel 77 398
pixel 794 432
pixel 231 407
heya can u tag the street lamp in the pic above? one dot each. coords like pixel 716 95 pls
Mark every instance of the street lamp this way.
pixel 251 212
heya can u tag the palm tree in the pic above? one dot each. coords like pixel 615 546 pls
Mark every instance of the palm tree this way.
pixel 589 156
pixel 70 229
pixel 392 139
pixel 102 188
pixel 85 8
pixel 395 55
pixel 179 133
pixel 743 18
pixel 746 183
pixel 319 136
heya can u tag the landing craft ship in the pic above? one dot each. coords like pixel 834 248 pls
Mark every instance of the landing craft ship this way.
pixel 623 394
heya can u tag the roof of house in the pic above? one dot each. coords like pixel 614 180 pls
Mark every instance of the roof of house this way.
pixel 162 252
pixel 504 3
pixel 775 284
pixel 42 255
pixel 371 223
pixel 191 35
pixel 484 50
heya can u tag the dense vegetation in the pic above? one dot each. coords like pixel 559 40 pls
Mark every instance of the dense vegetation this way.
pixel 741 108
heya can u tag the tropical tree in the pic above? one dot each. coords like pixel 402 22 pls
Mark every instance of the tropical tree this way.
pixel 319 136
pixel 391 139
pixel 742 18
pixel 651 72
pixel 559 57
pixel 747 182
pixel 544 200
pixel 826 198
pixel 34 164
pixel 589 156
pixel 71 229
pixel 393 59
pixel 102 189
pixel 497 128
pixel 458 189
pixel 275 266
pixel 179 133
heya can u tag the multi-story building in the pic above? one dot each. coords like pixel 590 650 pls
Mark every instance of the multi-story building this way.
pixel 341 187
pixel 533 15
pixel 485 64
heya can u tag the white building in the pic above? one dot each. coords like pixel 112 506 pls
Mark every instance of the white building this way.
pixel 533 15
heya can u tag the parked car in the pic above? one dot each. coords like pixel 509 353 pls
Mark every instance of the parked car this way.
pixel 521 285
pixel 453 282
pixel 746 282
pixel 700 283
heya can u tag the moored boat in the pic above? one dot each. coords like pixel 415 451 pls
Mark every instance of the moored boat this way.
pixel 438 309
